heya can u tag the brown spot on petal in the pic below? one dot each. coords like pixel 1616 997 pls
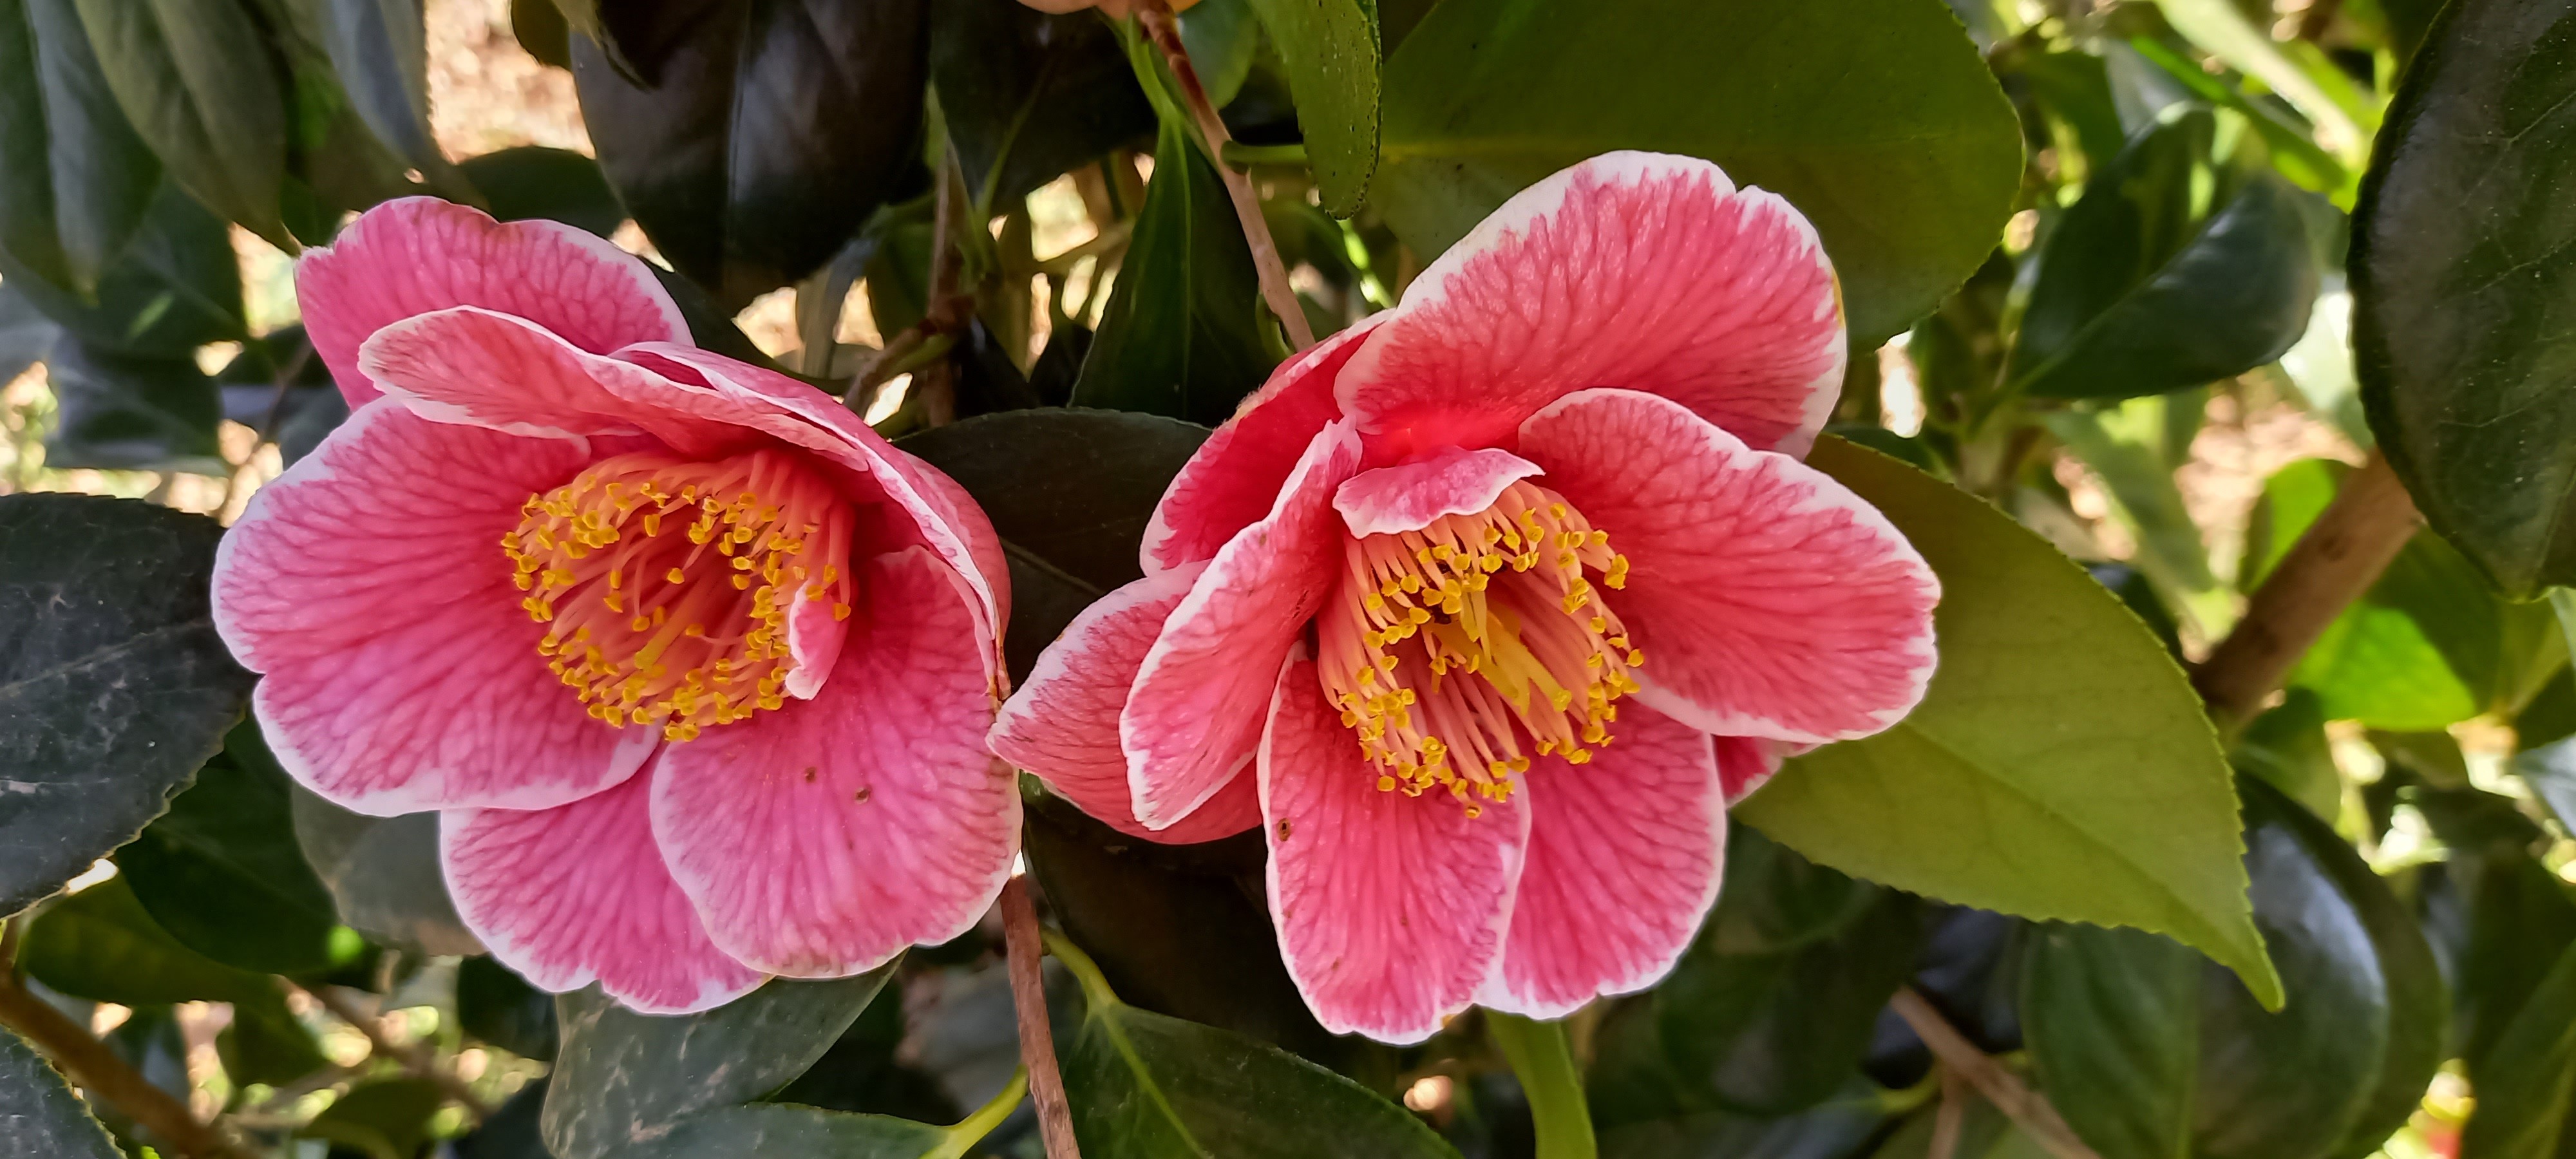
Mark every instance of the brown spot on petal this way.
pixel 809 774
pixel 862 795
pixel 1283 829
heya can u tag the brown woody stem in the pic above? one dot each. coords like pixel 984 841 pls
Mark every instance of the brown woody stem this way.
pixel 98 1071
pixel 2331 565
pixel 1024 943
pixel 1165 31
pixel 1992 1079
pixel 419 1060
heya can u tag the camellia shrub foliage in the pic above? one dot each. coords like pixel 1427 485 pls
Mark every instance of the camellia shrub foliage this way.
pixel 1540 578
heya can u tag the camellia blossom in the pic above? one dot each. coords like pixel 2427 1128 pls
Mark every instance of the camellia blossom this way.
pixel 695 665
pixel 1485 608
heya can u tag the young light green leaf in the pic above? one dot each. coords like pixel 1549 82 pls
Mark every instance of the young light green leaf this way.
pixel 1908 177
pixel 2036 778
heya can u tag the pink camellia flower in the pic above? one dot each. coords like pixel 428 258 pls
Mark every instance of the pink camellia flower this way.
pixel 1488 606
pixel 696 665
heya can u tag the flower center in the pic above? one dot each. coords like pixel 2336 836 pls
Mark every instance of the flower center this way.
pixel 668 583
pixel 1443 638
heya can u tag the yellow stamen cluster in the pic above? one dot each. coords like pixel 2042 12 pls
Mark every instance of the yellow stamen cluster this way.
pixel 666 584
pixel 1444 638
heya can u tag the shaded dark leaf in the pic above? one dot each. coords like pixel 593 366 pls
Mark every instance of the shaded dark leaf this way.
pixel 498 1007
pixel 385 1119
pixel 221 870
pixel 174 287
pixel 44 1117
pixel 99 944
pixel 121 412
pixel 1027 95
pixel 383 874
pixel 203 87
pixel 556 184
pixel 75 180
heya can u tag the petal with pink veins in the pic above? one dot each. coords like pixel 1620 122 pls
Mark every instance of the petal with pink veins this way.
pixel 402 674
pixel 578 893
pixel 1236 475
pixel 1193 718
pixel 1746 763
pixel 1623 862
pixel 1408 496
pixel 474 367
pixel 1640 271
pixel 417 254
pixel 1769 600
pixel 1391 908
pixel 1062 725
pixel 820 839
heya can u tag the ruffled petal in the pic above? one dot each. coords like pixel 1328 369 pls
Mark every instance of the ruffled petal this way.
pixel 1062 725
pixel 402 674
pixel 820 839
pixel 474 367
pixel 1236 475
pixel 418 254
pixel 1391 908
pixel 1408 496
pixel 1623 862
pixel 1194 715
pixel 578 893
pixel 1641 271
pixel 1768 599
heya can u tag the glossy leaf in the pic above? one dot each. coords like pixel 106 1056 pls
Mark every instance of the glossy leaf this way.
pixel 2033 779
pixel 2138 293
pixel 1908 177
pixel 1069 492
pixel 2524 1092
pixel 1778 1033
pixel 770 133
pixel 122 412
pixel 74 178
pixel 1837 1129
pixel 2458 266
pixel 221 870
pixel 113 685
pixel 622 1077
pixel 557 184
pixel 1182 335
pixel 383 874
pixel 1329 51
pixel 1027 95
pixel 380 51
pixel 100 944
pixel 1145 1086
pixel 44 1117
pixel 189 75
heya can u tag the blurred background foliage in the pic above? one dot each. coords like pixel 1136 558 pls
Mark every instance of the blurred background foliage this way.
pixel 953 210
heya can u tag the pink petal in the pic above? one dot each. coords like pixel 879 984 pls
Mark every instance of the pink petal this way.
pixel 1641 271
pixel 1391 909
pixel 1236 475
pixel 473 367
pixel 941 516
pixel 1746 763
pixel 820 839
pixel 1408 496
pixel 1769 600
pixel 1623 862
pixel 578 893
pixel 1194 716
pixel 402 674
pixel 419 254
pixel 1062 725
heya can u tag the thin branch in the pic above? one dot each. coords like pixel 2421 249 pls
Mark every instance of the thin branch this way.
pixel 2001 1086
pixel 1165 31
pixel 1021 939
pixel 1949 1117
pixel 2331 565
pixel 103 1076
pixel 418 1059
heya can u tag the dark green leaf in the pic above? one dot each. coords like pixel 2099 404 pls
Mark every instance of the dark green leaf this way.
pixel 386 1119
pixel 121 412
pixel 2139 293
pixel 2521 920
pixel 511 1132
pixel 2460 261
pixel 266 1043
pixel 1027 96
pixel 380 51
pixel 44 1117
pixel 622 1077
pixel 2525 1089
pixel 174 287
pixel 1223 37
pixel 2112 1021
pixel 221 870
pixel 1839 1129
pixel 556 184
pixel 781 1131
pixel 495 1005
pixel 206 92
pixel 2033 779
pixel 74 178
pixel 1776 901
pixel 383 874
pixel 1486 97
pixel 539 28
pixel 1777 1033
pixel 1148 1085
pixel 25 334
pixel 1069 492
pixel 113 685
pixel 770 134
pixel 99 944
pixel 2287 747
pixel 1330 53
pixel 1181 336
